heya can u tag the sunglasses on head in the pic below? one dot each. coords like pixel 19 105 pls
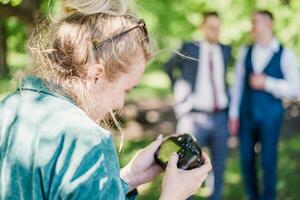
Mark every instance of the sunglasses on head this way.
pixel 140 24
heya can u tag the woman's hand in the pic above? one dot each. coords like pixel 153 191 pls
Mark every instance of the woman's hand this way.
pixel 142 168
pixel 180 184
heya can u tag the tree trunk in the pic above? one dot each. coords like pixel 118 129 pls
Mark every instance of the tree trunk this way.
pixel 3 47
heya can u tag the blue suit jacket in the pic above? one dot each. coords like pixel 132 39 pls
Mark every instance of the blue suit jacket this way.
pixel 186 68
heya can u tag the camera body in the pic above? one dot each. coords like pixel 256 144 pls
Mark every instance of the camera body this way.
pixel 189 152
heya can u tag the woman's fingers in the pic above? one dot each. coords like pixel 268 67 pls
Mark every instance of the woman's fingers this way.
pixel 200 173
pixel 147 154
pixel 151 148
pixel 184 182
pixel 172 163
pixel 207 161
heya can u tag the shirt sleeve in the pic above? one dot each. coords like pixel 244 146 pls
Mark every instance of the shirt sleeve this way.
pixel 238 84
pixel 289 87
pixel 183 98
pixel 130 195
pixel 88 168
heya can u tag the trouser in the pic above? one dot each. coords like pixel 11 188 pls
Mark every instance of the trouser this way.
pixel 210 130
pixel 267 132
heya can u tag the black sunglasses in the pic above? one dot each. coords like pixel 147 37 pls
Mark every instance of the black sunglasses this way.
pixel 140 24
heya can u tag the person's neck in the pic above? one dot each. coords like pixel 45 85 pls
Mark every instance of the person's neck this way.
pixel 266 40
pixel 211 42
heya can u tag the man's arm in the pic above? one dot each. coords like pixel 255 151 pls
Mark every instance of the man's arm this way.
pixel 289 87
pixel 236 93
pixel 238 83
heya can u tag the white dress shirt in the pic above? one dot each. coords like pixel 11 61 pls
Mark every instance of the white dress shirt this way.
pixel 288 87
pixel 204 91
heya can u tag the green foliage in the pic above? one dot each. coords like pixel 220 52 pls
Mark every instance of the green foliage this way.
pixel 16 44
pixel 174 21
pixel 171 22
pixel 4 86
pixel 11 2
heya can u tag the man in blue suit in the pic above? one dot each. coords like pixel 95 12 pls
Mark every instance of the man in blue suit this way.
pixel 266 72
pixel 198 77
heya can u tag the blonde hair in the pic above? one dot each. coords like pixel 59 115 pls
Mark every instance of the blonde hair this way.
pixel 62 49
pixel 111 7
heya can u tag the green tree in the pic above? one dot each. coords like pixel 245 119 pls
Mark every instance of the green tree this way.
pixel 24 11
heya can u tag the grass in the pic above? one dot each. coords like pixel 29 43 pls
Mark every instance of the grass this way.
pixel 287 185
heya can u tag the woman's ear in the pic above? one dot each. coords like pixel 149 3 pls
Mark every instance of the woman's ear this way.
pixel 95 72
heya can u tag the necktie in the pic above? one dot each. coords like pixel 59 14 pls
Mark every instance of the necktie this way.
pixel 213 85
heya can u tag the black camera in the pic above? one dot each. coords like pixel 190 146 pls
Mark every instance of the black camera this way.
pixel 189 152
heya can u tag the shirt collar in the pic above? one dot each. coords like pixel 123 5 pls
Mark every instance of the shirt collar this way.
pixel 39 85
pixel 273 46
pixel 208 47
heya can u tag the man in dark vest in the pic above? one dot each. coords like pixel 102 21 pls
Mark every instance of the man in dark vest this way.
pixel 200 93
pixel 266 72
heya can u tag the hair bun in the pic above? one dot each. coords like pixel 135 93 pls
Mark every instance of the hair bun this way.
pixel 88 7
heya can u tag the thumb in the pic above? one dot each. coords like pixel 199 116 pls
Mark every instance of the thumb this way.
pixel 173 159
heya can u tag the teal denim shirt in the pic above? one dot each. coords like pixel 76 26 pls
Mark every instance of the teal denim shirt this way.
pixel 50 149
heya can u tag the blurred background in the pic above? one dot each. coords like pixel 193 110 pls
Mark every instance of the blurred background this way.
pixel 148 111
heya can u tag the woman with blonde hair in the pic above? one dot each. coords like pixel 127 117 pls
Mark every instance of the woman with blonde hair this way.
pixel 52 146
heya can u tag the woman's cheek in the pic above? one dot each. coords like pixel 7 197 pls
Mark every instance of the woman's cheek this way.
pixel 120 100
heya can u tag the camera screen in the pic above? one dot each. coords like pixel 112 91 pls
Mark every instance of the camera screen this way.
pixel 166 149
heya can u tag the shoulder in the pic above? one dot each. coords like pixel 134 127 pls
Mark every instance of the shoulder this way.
pixel 288 52
pixel 244 49
pixel 190 48
pixel 67 128
pixel 74 123
pixel 225 46
pixel 81 126
pixel 226 50
pixel 189 45
pixel 54 116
